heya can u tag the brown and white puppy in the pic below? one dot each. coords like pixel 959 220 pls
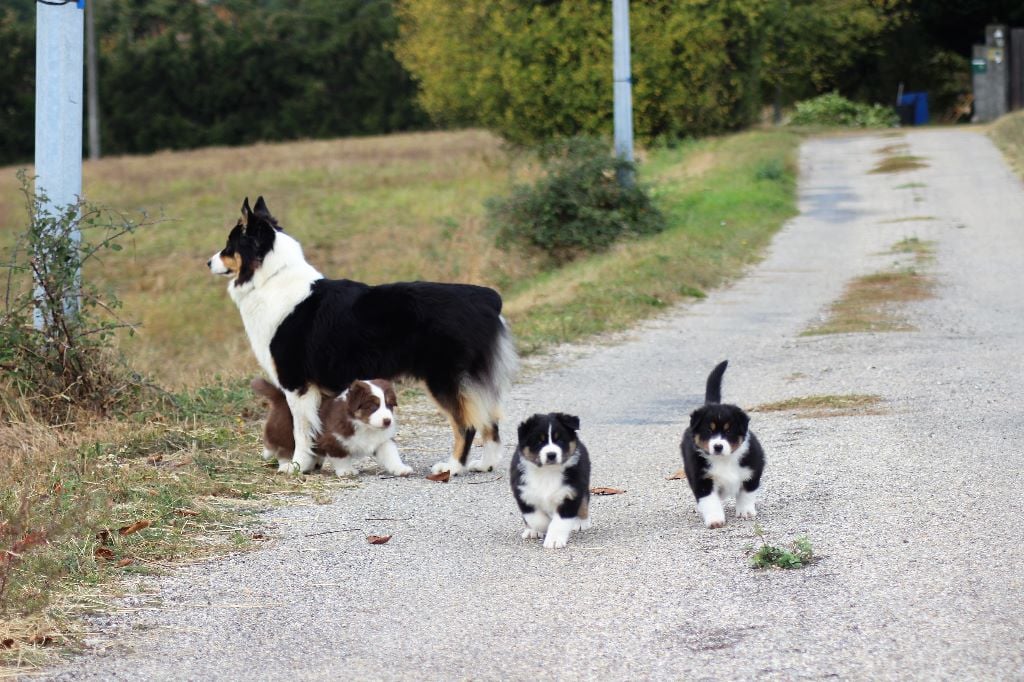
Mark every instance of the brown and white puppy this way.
pixel 550 477
pixel 359 423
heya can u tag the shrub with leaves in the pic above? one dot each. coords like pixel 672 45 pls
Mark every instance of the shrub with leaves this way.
pixel 800 554
pixel 56 328
pixel 578 206
pixel 832 109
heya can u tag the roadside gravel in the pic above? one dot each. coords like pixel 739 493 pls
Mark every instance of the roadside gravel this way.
pixel 916 513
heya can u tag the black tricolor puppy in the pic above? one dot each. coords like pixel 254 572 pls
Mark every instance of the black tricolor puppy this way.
pixel 550 477
pixel 721 456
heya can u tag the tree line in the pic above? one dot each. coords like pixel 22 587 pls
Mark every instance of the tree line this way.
pixel 177 74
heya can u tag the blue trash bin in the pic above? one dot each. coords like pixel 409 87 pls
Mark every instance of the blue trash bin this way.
pixel 918 101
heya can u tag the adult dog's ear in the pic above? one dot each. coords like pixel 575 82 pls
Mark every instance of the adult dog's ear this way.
pixel 569 421
pixel 246 213
pixel 261 208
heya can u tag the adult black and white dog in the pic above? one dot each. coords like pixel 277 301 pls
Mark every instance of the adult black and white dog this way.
pixel 550 477
pixel 722 458
pixel 313 334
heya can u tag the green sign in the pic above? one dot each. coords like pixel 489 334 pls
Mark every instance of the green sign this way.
pixel 979 65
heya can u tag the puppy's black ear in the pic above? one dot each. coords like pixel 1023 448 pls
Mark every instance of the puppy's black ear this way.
pixel 569 421
pixel 696 418
pixel 527 426
pixel 261 208
pixel 742 421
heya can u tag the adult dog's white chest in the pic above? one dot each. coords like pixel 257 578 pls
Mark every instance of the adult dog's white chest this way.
pixel 273 293
pixel 543 487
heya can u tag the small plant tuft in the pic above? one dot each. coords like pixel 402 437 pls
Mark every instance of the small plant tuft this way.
pixel 768 556
pixel 832 109
pixel 577 207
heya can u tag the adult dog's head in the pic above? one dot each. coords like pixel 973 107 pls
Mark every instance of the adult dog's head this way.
pixel 253 237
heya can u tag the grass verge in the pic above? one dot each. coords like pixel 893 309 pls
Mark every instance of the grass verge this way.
pixel 1008 134
pixel 819 406
pixel 871 303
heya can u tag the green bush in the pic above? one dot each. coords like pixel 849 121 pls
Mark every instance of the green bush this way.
pixel 577 207
pixel 832 109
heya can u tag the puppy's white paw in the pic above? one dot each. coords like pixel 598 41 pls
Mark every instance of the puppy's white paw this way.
pixel 268 454
pixel 345 472
pixel 452 466
pixel 403 470
pixel 479 465
pixel 582 524
pixel 746 514
pixel 555 541
pixel 530 534
pixel 714 523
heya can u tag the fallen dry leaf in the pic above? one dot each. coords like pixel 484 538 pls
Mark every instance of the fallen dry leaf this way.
pixel 41 640
pixel 440 477
pixel 184 461
pixel 7 643
pixel 259 536
pixel 606 491
pixel 104 537
pixel 377 539
pixel 128 561
pixel 135 527
pixel 104 553
pixel 680 473
pixel 154 459
pixel 186 512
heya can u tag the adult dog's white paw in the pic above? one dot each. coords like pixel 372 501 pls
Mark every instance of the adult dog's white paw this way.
pixel 452 466
pixel 480 465
pixel 303 461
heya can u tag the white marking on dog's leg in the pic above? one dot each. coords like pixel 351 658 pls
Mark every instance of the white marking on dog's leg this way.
pixel 489 457
pixel 558 532
pixel 387 456
pixel 306 417
pixel 452 465
pixel 711 510
pixel 746 504
pixel 269 454
pixel 343 466
pixel 536 523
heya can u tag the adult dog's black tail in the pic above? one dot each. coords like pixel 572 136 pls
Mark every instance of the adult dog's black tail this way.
pixel 713 392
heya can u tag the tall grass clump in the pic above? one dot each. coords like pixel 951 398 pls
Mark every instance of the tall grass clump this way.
pixel 577 206
pixel 832 109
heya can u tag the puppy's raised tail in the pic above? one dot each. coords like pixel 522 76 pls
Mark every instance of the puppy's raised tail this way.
pixel 266 389
pixel 713 391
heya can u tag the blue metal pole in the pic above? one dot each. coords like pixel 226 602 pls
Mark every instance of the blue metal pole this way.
pixel 623 85
pixel 59 93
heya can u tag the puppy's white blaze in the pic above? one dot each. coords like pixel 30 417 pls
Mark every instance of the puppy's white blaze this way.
pixel 716 441
pixel 550 448
pixel 558 532
pixel 711 510
pixel 727 473
pixel 381 413
pixel 217 266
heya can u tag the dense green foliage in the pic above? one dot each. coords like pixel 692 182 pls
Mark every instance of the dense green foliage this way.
pixel 178 75
pixel 533 71
pixel 832 109
pixel 577 207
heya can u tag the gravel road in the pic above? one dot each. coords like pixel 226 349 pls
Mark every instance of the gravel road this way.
pixel 915 512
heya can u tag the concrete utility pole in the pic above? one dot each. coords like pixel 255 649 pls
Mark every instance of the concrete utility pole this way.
pixel 59 38
pixel 623 82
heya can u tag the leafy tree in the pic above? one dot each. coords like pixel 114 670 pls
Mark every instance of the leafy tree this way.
pixel 17 87
pixel 543 69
